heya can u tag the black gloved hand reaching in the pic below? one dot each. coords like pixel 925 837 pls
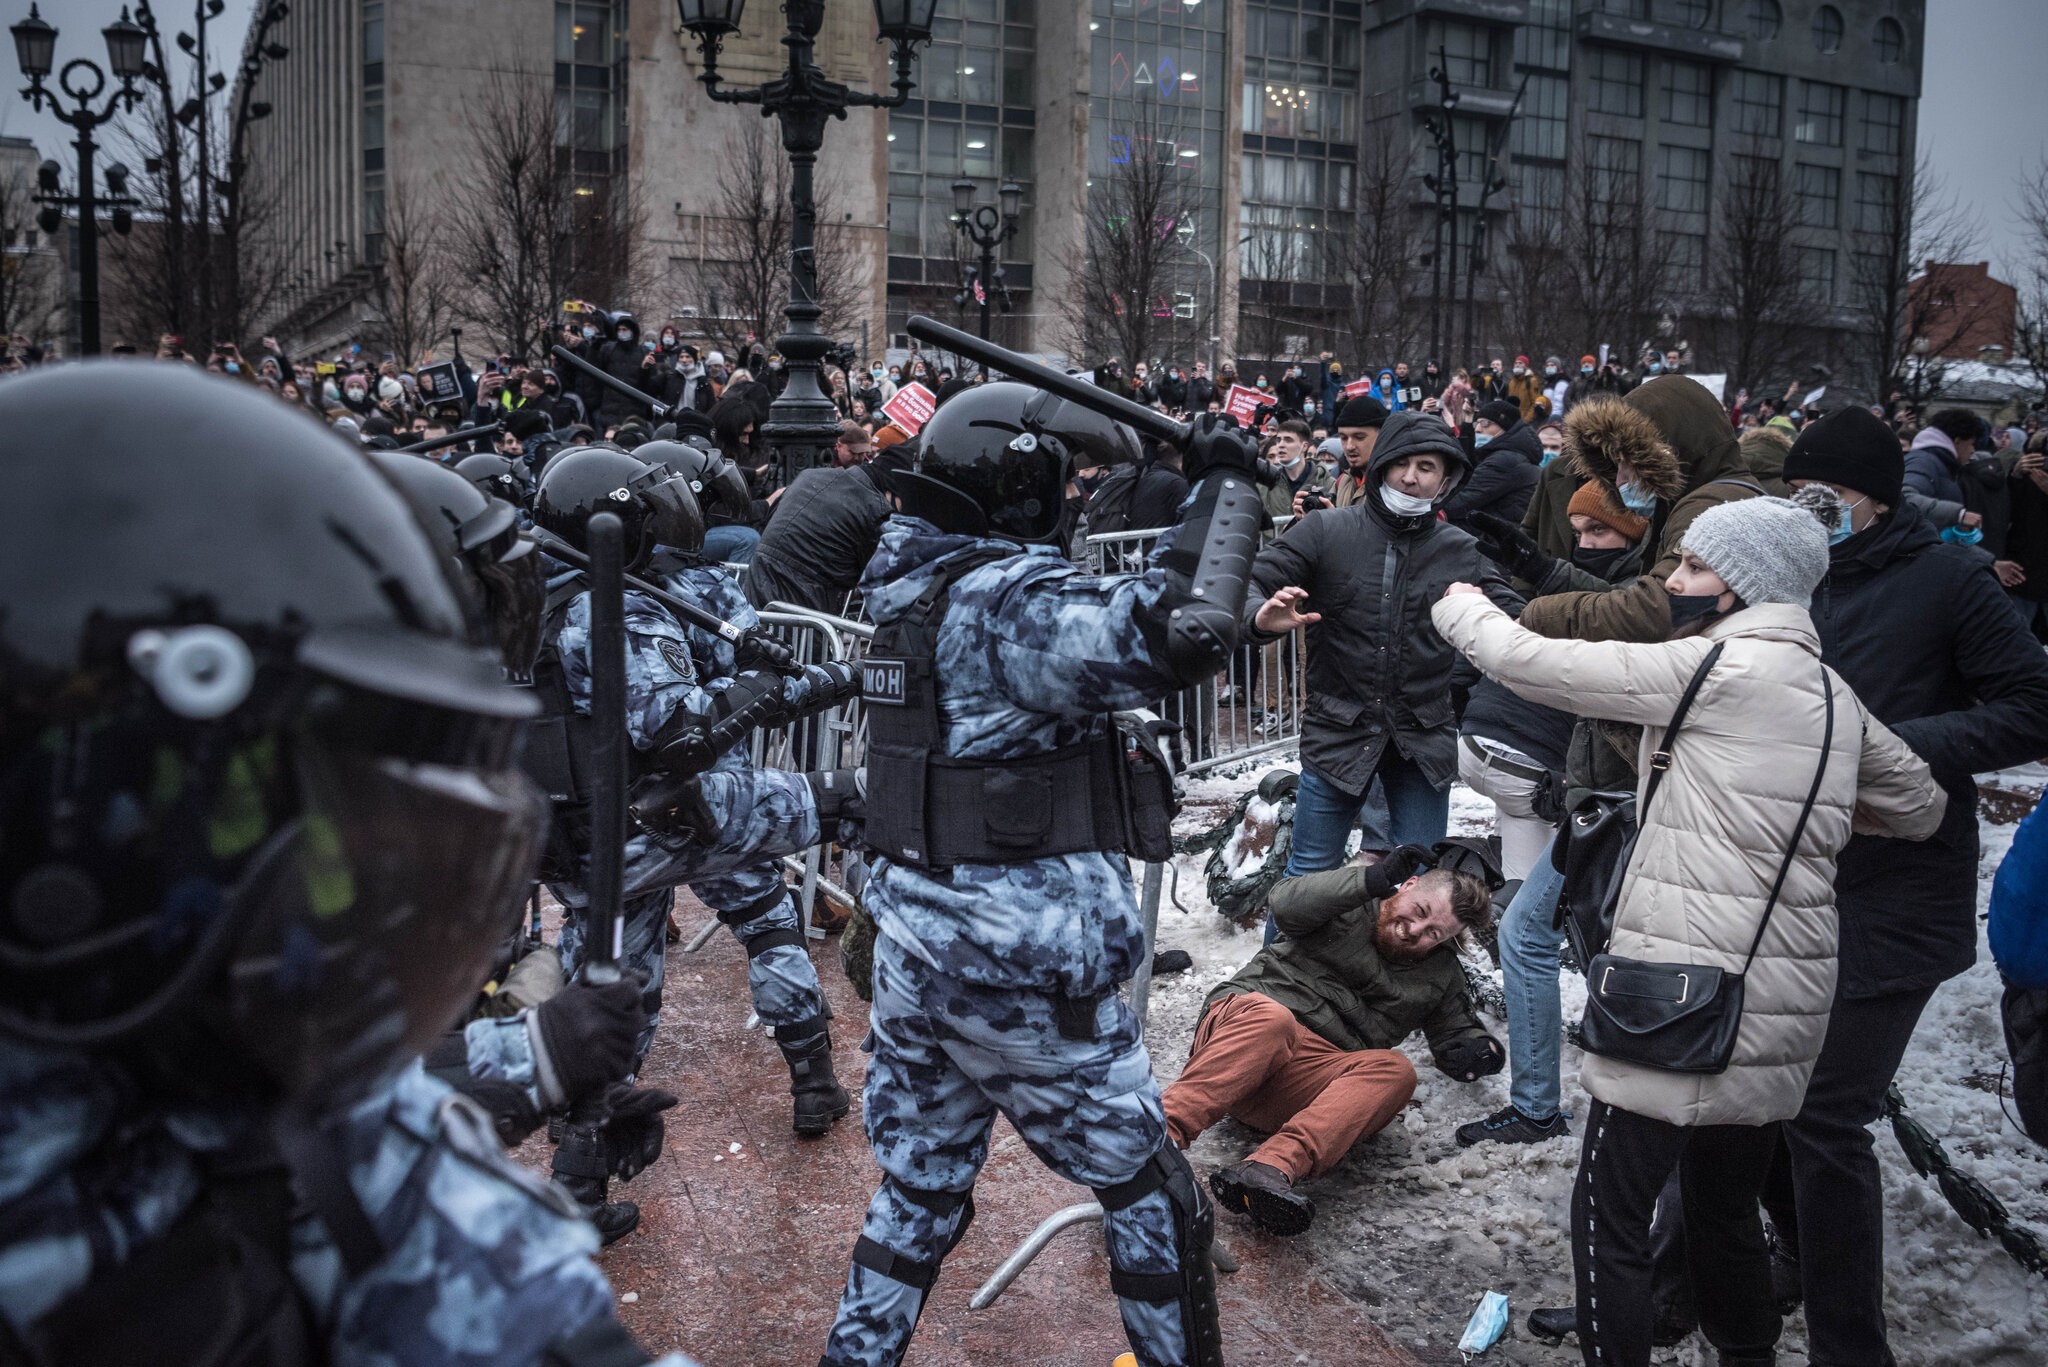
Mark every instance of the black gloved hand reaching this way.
pixel 1472 1057
pixel 1514 550
pixel 584 1038
pixel 1399 865
pixel 1216 442
pixel 634 1132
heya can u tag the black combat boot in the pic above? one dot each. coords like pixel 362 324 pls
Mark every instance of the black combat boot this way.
pixel 581 1168
pixel 819 1099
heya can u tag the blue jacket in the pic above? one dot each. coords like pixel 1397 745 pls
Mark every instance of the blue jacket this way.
pixel 2019 906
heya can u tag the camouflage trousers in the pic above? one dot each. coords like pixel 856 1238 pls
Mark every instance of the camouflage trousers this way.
pixel 947 1057
pixel 763 815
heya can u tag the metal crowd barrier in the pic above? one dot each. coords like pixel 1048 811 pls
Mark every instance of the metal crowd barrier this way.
pixel 1257 707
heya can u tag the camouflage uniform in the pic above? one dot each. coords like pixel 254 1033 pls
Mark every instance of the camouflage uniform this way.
pixel 763 814
pixel 486 1265
pixel 1031 657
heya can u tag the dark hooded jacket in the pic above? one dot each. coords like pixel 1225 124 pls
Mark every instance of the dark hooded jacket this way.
pixel 621 359
pixel 1503 477
pixel 1677 436
pixel 1928 640
pixel 1764 450
pixel 1378 672
pixel 820 536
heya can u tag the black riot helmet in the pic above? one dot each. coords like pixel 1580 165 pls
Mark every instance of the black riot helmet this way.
pixel 657 508
pixel 261 824
pixel 720 486
pixel 479 536
pixel 995 460
pixel 505 477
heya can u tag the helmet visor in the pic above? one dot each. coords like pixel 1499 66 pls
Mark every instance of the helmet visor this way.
pixel 515 586
pixel 673 517
pixel 374 930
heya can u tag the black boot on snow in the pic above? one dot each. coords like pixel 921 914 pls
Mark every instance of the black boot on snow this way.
pixel 1263 1192
pixel 1787 1288
pixel 582 1170
pixel 818 1098
pixel 1553 1324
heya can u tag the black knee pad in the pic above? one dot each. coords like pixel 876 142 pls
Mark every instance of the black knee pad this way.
pixel 1194 1285
pixel 753 909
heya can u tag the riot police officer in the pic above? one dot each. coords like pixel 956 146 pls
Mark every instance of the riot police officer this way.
pixel 999 813
pixel 723 828
pixel 260 831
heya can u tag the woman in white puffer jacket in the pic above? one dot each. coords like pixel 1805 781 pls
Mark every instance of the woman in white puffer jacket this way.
pixel 1711 845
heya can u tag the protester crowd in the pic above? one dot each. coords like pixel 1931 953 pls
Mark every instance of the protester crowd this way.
pixel 1727 671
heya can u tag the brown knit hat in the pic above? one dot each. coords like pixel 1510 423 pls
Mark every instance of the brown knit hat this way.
pixel 1596 499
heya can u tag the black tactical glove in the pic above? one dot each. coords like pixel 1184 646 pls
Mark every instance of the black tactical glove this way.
pixel 633 1134
pixel 672 807
pixel 758 650
pixel 587 1034
pixel 841 683
pixel 1468 1059
pixel 1508 546
pixel 1216 442
pixel 1398 867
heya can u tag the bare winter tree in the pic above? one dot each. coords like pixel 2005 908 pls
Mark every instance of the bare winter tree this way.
pixel 509 217
pixel 1906 322
pixel 31 276
pixel 1376 259
pixel 2031 322
pixel 210 259
pixel 1131 257
pixel 1755 273
pixel 417 290
pixel 1535 272
pixel 1616 268
pixel 747 276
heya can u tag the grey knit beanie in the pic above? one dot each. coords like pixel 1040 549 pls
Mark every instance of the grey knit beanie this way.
pixel 1769 550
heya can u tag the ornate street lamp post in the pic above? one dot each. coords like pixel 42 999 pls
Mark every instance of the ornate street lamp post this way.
pixel 82 81
pixel 988 228
pixel 802 423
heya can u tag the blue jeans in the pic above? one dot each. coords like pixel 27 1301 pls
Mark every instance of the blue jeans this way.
pixel 730 545
pixel 1529 969
pixel 1418 813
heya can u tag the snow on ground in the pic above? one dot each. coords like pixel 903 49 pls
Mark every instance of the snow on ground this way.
pixel 1417 1228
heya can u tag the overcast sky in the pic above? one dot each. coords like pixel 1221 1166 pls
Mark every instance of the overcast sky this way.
pixel 1983 115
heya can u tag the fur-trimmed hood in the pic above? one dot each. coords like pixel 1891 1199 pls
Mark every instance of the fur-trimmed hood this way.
pixel 1669 428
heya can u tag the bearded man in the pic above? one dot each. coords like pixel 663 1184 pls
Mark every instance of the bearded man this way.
pixel 1300 1044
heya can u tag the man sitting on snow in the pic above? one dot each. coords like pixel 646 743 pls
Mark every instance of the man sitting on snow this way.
pixel 1301 1042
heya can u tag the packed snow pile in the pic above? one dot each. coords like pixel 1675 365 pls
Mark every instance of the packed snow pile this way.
pixel 1417 1228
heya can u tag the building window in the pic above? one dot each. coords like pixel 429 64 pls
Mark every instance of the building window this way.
pixel 1877 199
pixel 1762 18
pixel 1467 51
pixel 1540 188
pixel 1689 94
pixel 1546 49
pixel 1682 179
pixel 372 129
pixel 590 95
pixel 1280 109
pixel 1617 86
pixel 1819 193
pixel 1627 9
pixel 1889 39
pixel 1540 129
pixel 1759 103
pixel 1884 124
pixel 1817 274
pixel 1827 30
pixel 1820 114
pixel 1685 256
pixel 1690 13
pixel 1617 166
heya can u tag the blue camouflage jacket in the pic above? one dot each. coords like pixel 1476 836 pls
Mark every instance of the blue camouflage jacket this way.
pixel 1032 656
pixel 487 1266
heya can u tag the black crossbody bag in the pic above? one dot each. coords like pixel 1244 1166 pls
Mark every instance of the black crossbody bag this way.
pixel 1598 838
pixel 1683 1018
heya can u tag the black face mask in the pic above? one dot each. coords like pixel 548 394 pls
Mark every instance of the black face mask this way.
pixel 1694 607
pixel 1601 562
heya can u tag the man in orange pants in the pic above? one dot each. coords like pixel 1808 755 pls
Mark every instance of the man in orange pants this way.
pixel 1300 1043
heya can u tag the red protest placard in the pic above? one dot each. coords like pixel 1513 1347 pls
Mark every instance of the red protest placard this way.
pixel 1243 403
pixel 1354 389
pixel 911 408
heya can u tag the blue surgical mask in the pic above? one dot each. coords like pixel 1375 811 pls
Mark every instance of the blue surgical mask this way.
pixel 1480 439
pixel 1656 367
pixel 1585 370
pixel 1962 536
pixel 1845 522
pixel 1636 498
pixel 232 368
pixel 1548 456
pixel 590 332
pixel 1489 1321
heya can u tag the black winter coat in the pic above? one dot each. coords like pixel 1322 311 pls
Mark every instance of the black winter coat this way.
pixel 1925 635
pixel 621 360
pixel 1503 479
pixel 820 536
pixel 1377 669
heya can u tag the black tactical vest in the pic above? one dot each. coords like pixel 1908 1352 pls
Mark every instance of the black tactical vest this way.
pixel 933 810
